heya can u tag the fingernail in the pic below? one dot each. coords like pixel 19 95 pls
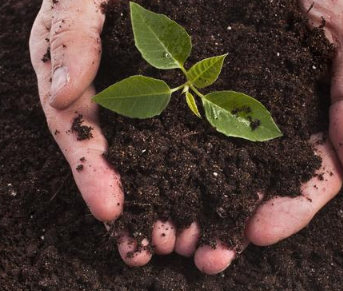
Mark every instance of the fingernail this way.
pixel 59 80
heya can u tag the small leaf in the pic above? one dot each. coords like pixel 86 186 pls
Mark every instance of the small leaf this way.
pixel 136 97
pixel 192 104
pixel 206 72
pixel 162 42
pixel 239 115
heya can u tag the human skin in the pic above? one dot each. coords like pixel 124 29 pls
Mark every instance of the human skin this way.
pixel 71 28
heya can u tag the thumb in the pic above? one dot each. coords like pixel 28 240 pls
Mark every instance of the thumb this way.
pixel 337 75
pixel 75 48
pixel 336 109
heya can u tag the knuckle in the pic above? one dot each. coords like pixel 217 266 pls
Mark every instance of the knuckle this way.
pixel 38 41
pixel 67 32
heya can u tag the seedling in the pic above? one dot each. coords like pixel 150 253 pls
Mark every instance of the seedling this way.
pixel 166 45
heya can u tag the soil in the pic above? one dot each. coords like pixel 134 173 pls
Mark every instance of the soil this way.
pixel 83 131
pixel 49 240
pixel 179 168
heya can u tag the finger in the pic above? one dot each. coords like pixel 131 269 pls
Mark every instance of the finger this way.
pixel 332 12
pixel 212 261
pixel 320 11
pixel 163 237
pixel 75 49
pixel 187 239
pixel 39 40
pixel 336 128
pixel 98 183
pixel 281 217
pixel 336 109
pixel 131 254
pixel 77 132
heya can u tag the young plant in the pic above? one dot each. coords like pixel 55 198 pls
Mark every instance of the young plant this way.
pixel 166 45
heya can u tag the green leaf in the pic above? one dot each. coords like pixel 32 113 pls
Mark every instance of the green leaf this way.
pixel 192 104
pixel 238 115
pixel 162 42
pixel 206 72
pixel 136 97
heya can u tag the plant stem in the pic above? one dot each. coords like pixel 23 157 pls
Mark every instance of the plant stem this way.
pixel 178 88
pixel 195 90
pixel 183 70
pixel 185 89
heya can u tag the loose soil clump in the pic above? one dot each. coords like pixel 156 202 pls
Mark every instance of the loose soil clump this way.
pixel 83 131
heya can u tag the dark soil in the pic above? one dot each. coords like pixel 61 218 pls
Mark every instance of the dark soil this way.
pixel 49 240
pixel 177 167
pixel 83 131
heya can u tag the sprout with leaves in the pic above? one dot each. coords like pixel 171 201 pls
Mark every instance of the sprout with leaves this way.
pixel 166 45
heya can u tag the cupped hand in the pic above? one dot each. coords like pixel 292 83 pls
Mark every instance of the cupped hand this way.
pixel 331 11
pixel 280 217
pixel 65 48
pixel 65 52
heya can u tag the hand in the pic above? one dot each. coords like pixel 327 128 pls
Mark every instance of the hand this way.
pixel 65 52
pixel 281 217
pixel 332 12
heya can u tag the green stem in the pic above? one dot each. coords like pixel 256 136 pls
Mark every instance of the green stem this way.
pixel 177 88
pixel 183 70
pixel 195 90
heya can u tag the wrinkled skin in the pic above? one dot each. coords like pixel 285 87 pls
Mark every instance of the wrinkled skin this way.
pixel 71 28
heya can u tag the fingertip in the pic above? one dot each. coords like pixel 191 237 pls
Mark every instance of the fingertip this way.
pixel 102 193
pixel 328 179
pixel 131 254
pixel 163 237
pixel 187 239
pixel 264 228
pixel 107 211
pixel 213 261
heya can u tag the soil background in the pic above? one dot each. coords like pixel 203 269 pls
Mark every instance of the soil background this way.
pixel 55 244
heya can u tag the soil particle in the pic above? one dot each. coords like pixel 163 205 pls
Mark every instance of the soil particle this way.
pixel 83 131
pixel 103 7
pixel 79 168
pixel 254 124
pixel 47 56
